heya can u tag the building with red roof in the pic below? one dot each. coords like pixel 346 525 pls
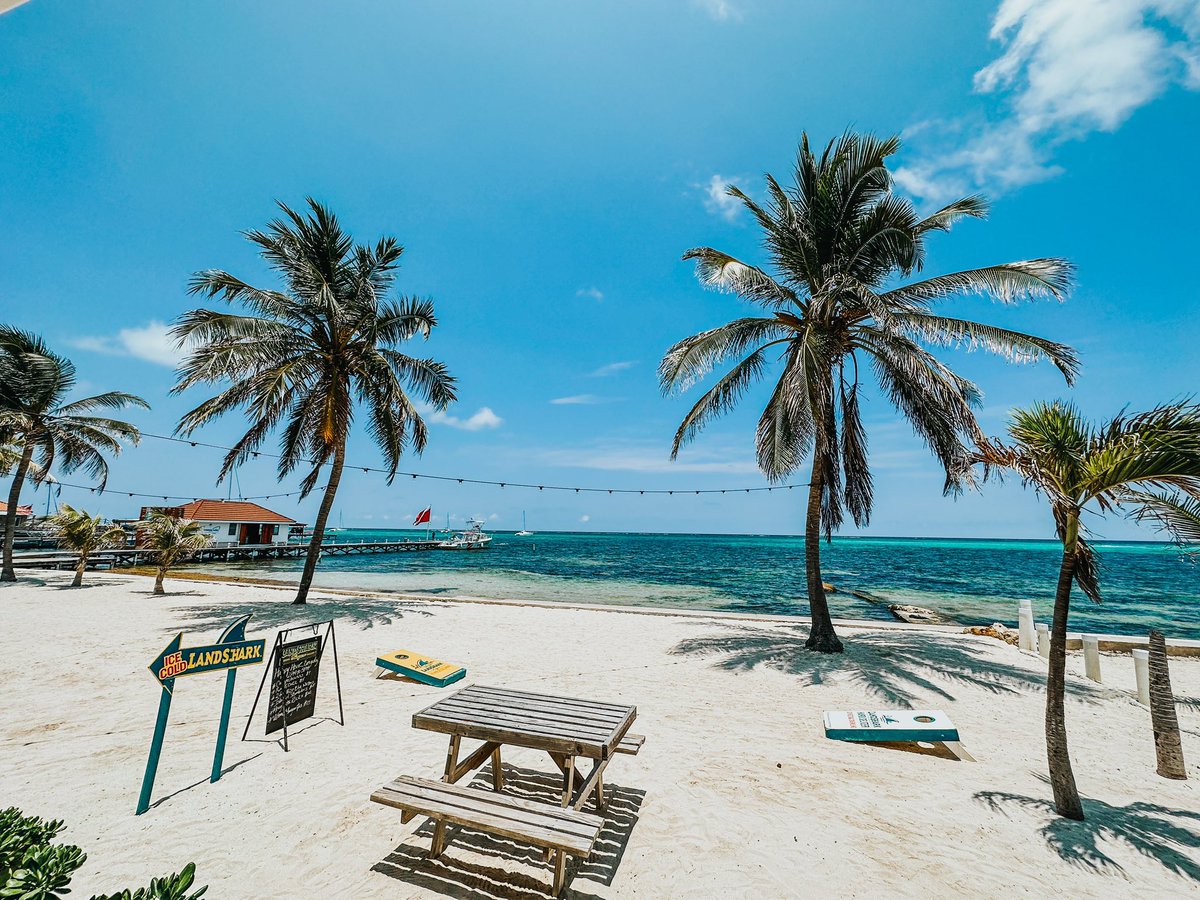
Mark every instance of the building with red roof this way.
pixel 232 523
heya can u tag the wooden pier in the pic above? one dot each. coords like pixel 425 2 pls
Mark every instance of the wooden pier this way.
pixel 123 558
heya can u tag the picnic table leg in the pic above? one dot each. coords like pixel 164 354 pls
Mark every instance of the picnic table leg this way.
pixel 451 762
pixel 560 872
pixel 600 791
pixel 439 830
pixel 568 781
pixel 497 772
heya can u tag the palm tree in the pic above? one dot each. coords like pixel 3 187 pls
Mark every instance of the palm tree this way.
pixel 836 240
pixel 84 535
pixel 174 538
pixel 301 357
pixel 34 416
pixel 1146 464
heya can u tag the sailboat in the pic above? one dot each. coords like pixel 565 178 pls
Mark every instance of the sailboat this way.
pixel 341 524
pixel 523 532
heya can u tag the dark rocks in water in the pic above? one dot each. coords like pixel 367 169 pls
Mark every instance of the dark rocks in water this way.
pixel 870 598
pixel 915 615
pixel 829 588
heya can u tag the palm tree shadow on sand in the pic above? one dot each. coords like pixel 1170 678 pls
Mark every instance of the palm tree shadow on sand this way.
pixel 361 612
pixel 1155 832
pixel 895 667
pixel 459 872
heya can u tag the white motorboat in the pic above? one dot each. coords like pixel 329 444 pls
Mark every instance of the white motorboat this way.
pixel 471 538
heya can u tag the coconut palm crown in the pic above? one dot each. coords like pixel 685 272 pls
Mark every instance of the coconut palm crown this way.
pixel 299 359
pixel 837 241
pixel 84 534
pixel 1145 465
pixel 174 539
pixel 36 418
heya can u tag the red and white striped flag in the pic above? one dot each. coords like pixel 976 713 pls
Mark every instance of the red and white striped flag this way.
pixel 423 516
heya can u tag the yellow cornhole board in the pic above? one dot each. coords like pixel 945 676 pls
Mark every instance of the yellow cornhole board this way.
pixel 419 668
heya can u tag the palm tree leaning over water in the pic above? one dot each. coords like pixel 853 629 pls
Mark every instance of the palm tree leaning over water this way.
pixel 836 240
pixel 300 357
pixel 35 417
pixel 1146 464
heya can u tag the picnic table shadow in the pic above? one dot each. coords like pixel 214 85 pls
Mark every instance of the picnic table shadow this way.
pixel 1155 832
pixel 899 668
pixel 362 612
pixel 460 874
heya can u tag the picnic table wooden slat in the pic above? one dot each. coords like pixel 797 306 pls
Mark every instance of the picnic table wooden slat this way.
pixel 495 711
pixel 570 701
pixel 500 814
pixel 556 817
pixel 563 714
pixel 541 722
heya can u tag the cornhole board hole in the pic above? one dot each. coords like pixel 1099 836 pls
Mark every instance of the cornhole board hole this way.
pixel 424 669
pixel 931 726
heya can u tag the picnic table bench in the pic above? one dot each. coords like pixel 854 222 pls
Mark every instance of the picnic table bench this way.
pixel 566 728
pixel 553 828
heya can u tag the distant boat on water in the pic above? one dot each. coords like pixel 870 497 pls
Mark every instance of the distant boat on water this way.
pixel 341 524
pixel 523 532
pixel 471 538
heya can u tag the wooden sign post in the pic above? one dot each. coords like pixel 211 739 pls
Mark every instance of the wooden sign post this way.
pixel 231 651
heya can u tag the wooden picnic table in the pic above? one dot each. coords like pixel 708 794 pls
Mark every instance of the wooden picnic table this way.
pixel 563 727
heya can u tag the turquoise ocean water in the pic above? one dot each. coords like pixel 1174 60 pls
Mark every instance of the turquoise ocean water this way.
pixel 969 581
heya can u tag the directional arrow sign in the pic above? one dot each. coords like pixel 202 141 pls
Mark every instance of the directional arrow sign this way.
pixel 176 661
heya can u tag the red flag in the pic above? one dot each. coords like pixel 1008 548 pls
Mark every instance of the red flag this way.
pixel 423 516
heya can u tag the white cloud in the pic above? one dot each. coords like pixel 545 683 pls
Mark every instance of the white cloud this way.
pixel 151 342
pixel 585 518
pixel 612 369
pixel 481 419
pixel 1068 68
pixel 593 292
pixel 720 10
pixel 493 517
pixel 577 400
pixel 719 203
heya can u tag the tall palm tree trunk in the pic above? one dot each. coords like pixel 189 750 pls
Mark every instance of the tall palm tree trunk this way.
pixel 314 546
pixel 1062 779
pixel 10 523
pixel 821 636
pixel 1168 748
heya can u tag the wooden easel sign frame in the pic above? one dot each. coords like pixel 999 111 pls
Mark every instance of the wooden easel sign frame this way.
pixel 294 669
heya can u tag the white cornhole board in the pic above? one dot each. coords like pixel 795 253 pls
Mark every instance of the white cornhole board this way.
pixel 929 725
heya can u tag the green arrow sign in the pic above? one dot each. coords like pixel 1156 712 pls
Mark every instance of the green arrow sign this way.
pixel 176 661
pixel 231 651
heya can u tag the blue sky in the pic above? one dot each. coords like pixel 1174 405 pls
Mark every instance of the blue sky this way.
pixel 545 165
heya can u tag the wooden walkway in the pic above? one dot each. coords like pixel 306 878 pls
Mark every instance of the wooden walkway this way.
pixel 128 557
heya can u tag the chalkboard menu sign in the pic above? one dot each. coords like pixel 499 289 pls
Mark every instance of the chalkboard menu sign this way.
pixel 294 683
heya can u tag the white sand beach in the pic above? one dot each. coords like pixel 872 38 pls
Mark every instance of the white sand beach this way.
pixel 736 793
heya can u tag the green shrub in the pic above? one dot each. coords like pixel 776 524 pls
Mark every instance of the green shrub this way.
pixel 31 868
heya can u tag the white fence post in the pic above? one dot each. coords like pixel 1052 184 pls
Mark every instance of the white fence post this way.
pixel 1141 669
pixel 1043 639
pixel 1025 625
pixel 1091 657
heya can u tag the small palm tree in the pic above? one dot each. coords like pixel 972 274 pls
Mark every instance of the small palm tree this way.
pixel 301 358
pixel 174 539
pixel 1146 464
pixel 84 535
pixel 34 416
pixel 837 240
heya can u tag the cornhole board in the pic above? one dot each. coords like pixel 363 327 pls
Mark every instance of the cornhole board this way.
pixel 419 668
pixel 929 725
